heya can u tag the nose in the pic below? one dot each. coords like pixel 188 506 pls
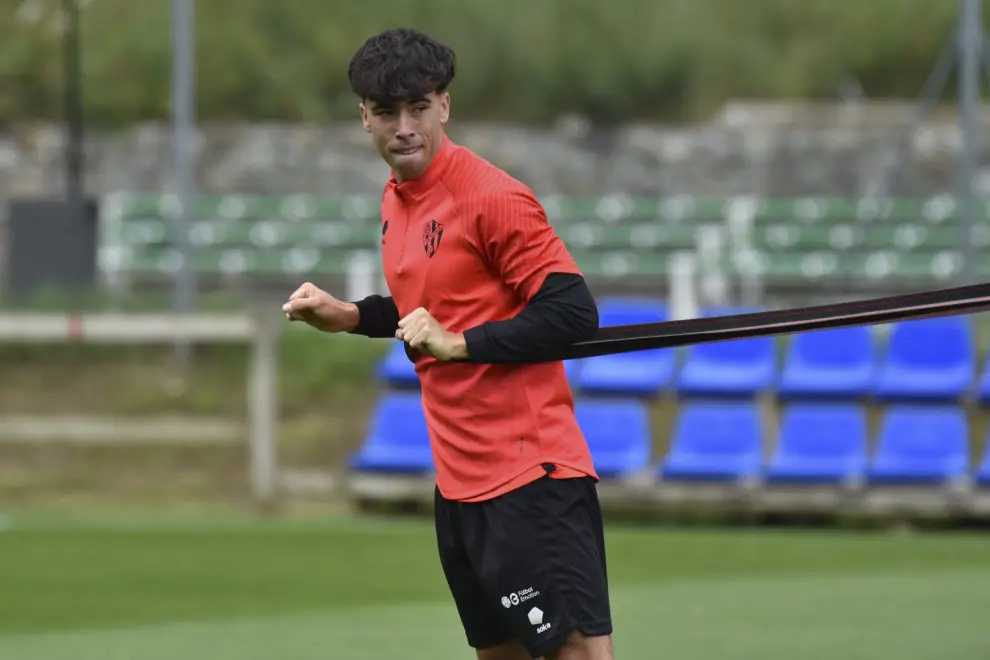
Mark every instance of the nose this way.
pixel 406 125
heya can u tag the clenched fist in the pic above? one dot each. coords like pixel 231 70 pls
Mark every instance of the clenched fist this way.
pixel 319 309
pixel 423 332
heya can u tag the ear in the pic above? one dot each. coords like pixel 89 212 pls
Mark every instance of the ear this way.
pixel 444 107
pixel 364 117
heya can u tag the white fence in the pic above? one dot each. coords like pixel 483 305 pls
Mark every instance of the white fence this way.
pixel 261 330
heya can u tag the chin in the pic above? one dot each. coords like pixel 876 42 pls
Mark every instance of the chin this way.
pixel 411 165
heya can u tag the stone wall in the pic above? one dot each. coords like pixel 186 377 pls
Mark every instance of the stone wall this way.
pixel 774 149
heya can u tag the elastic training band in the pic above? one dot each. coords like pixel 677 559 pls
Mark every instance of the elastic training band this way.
pixel 667 334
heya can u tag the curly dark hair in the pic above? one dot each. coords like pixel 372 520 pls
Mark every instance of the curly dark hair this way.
pixel 400 65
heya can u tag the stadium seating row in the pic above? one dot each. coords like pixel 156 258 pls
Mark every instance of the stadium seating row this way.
pixel 579 234
pixel 809 268
pixel 723 441
pixel 608 208
pixel 802 241
pixel 930 359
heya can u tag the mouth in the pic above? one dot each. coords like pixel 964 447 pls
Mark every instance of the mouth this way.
pixel 405 151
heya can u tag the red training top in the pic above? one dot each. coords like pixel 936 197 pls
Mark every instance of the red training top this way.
pixel 470 244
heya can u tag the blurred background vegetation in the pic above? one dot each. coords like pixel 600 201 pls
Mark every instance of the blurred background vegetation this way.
pixel 528 60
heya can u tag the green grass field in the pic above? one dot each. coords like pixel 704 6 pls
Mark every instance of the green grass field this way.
pixel 119 589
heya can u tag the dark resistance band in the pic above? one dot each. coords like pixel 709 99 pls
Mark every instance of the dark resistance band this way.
pixel 645 336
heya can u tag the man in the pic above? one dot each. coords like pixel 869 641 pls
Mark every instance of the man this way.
pixel 481 286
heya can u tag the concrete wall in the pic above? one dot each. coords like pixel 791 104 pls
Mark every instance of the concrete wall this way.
pixel 776 149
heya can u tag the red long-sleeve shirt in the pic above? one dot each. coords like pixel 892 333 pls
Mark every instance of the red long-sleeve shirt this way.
pixel 472 245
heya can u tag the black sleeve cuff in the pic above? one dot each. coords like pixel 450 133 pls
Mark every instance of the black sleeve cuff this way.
pixel 480 348
pixel 378 317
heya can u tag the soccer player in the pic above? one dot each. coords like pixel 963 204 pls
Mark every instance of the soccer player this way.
pixel 480 286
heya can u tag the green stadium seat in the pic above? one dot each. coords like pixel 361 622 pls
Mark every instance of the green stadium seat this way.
pixel 839 210
pixel 608 209
pixel 878 266
pixel 686 208
pixel 334 233
pixel 773 210
pixel 792 236
pixel 938 209
pixel 298 207
pixel 221 260
pixel 649 236
pixel 809 266
pixel 814 210
pixel 890 265
pixel 619 264
pixel 910 236
pixel 243 207
pixel 889 210
pixel 144 231
pixel 139 206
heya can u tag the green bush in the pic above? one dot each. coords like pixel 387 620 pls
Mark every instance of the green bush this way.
pixel 524 60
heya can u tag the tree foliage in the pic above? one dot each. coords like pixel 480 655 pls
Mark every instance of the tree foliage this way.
pixel 521 60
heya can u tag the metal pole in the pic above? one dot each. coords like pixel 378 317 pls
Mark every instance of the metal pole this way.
pixel 930 93
pixel 183 103
pixel 970 57
pixel 683 285
pixel 71 43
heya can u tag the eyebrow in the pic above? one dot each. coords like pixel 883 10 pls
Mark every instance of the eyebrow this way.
pixel 389 105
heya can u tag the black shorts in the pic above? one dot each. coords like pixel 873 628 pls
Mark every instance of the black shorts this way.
pixel 528 565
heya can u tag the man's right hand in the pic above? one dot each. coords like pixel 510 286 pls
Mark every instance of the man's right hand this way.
pixel 319 309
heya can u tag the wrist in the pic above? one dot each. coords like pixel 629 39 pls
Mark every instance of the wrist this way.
pixel 459 347
pixel 350 316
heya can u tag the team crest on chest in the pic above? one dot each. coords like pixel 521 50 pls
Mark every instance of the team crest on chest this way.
pixel 432 233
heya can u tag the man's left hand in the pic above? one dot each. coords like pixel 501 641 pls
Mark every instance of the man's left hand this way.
pixel 424 333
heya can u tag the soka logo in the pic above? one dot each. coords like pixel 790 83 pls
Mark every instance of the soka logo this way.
pixel 536 618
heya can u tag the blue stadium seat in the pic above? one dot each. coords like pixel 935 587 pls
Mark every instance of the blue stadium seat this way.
pixel 820 443
pixel 572 369
pixel 921 445
pixel 932 359
pixel 715 441
pixel 618 434
pixel 397 439
pixel 735 367
pixel 643 373
pixel 630 310
pixel 396 369
pixel 829 363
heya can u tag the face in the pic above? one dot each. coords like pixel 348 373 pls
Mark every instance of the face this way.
pixel 407 135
